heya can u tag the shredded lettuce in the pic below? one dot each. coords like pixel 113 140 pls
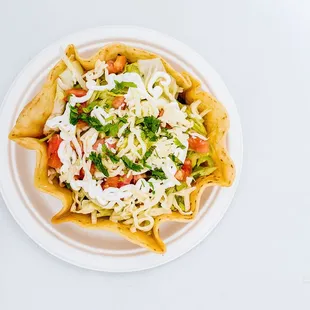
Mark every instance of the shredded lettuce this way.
pixel 180 201
pixel 133 67
pixel 88 206
pixel 202 172
pixel 149 66
pixel 198 159
pixel 94 96
pixel 121 88
pixel 199 127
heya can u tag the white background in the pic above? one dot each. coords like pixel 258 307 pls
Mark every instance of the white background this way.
pixel 259 255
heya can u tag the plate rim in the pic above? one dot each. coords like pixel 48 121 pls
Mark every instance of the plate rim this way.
pixel 238 162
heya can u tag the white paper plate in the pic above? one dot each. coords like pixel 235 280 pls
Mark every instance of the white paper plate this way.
pixel 100 250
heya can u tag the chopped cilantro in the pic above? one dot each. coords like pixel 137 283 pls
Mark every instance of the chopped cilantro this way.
pixel 147 166
pixel 150 127
pixel 121 88
pixel 176 160
pixel 148 153
pixel 74 115
pixel 131 165
pixel 114 158
pixel 152 187
pixel 92 122
pixel 158 174
pixel 110 130
pixel 178 143
pixel 123 119
pixel 126 132
pixel 97 160
pixel 166 133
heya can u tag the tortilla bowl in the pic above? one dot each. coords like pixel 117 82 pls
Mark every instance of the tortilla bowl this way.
pixel 29 129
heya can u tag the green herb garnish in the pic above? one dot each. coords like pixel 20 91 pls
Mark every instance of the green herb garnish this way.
pixel 114 158
pixel 158 174
pixel 126 132
pixel 176 160
pixel 97 160
pixel 152 187
pixel 92 122
pixel 166 133
pixel 121 88
pixel 111 130
pixel 178 143
pixel 148 153
pixel 123 119
pixel 131 165
pixel 74 115
pixel 150 127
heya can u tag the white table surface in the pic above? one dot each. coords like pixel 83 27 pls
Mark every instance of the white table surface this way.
pixel 259 255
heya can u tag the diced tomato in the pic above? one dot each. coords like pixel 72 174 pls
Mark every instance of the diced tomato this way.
pixel 138 177
pixel 76 92
pixel 187 166
pixel 117 181
pixel 52 151
pixel 53 144
pixel 99 141
pixel 82 172
pixel 54 161
pixel 198 145
pixel 185 171
pixel 110 182
pixel 111 68
pixel 81 175
pixel 92 169
pixel 125 180
pixel 111 145
pixel 103 141
pixel 120 63
pixel 119 101
pixel 180 175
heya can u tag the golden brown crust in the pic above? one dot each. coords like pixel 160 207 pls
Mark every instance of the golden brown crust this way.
pixel 31 121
